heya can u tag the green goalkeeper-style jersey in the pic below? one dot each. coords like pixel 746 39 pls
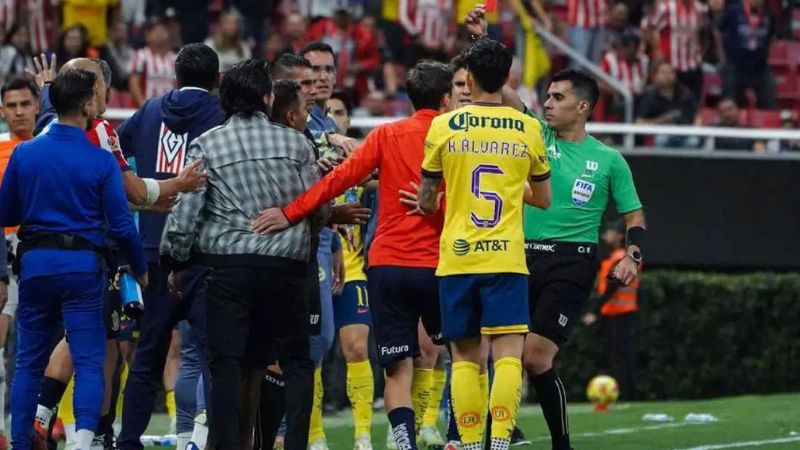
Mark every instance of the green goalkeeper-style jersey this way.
pixel 583 176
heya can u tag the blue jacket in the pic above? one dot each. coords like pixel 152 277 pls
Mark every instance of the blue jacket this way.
pixel 60 182
pixel 158 136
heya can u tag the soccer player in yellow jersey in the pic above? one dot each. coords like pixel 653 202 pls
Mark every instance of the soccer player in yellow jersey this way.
pixel 485 153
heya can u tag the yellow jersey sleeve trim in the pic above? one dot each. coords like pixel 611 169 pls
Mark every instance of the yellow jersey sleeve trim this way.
pixel 506 329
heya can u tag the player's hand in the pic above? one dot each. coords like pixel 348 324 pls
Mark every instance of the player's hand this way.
pixel 348 234
pixel 163 205
pixel 328 163
pixel 174 283
pixel 626 271
pixel 350 214
pixel 3 295
pixel 348 144
pixel 338 273
pixel 191 179
pixel 411 199
pixel 269 221
pixel 589 319
pixel 45 71
pixel 143 280
pixel 476 21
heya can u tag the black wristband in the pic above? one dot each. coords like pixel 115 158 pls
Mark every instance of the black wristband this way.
pixel 5 279
pixel 636 236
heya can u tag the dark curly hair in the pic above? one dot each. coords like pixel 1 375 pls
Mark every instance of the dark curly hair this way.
pixel 489 63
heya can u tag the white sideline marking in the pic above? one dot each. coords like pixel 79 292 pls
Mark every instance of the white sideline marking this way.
pixel 618 431
pixel 746 444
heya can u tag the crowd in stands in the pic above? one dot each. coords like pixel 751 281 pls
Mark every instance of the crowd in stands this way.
pixel 679 58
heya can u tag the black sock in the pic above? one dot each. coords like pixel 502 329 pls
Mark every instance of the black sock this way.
pixel 50 392
pixel 105 426
pixel 402 420
pixel 553 401
pixel 272 408
pixel 452 428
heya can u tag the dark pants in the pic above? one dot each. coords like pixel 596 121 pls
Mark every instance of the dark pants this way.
pixel 255 316
pixel 737 81
pixel 619 354
pixel 162 313
pixel 692 80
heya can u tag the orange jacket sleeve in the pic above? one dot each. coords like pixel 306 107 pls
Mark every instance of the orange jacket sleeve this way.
pixel 360 164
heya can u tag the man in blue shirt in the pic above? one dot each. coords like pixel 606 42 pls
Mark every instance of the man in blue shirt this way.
pixel 67 197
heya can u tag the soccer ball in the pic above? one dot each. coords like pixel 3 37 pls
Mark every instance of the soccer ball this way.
pixel 602 391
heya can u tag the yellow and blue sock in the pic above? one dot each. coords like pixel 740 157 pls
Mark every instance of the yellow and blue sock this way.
pixel 504 401
pixel 467 404
pixel 361 392
pixel 420 393
pixel 315 430
pixel 438 380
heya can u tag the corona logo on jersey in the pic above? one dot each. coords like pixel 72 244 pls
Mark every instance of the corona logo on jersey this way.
pixel 465 120
pixel 469 419
pixel 602 391
pixel 171 151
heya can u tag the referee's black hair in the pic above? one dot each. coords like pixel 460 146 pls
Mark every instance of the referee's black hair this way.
pixel 489 63
pixel 583 84
pixel 71 90
pixel 283 67
pixel 317 46
pixel 244 87
pixel 287 97
pixel 197 65
pixel 427 83
pixel 19 82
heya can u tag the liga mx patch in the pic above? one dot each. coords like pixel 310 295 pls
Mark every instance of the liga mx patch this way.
pixel 171 151
pixel 582 192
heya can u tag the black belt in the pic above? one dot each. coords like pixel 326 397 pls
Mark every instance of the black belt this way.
pixel 55 241
pixel 561 248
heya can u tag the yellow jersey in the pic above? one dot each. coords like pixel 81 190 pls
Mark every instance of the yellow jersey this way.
pixel 92 14
pixel 390 10
pixel 353 259
pixel 485 153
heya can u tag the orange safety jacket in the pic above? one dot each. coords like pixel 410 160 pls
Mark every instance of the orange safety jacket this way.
pixel 625 298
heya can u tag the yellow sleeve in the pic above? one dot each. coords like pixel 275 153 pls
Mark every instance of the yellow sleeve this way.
pixel 540 165
pixel 434 143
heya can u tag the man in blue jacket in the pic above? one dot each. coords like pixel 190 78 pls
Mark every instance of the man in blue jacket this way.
pixel 66 196
pixel 158 136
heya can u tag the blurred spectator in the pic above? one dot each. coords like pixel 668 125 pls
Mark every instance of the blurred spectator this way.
pixel 667 102
pixel 253 19
pixel 356 50
pixel 674 32
pixel 121 53
pixel 386 78
pixel 39 17
pixel 789 121
pixel 340 108
pixel 373 105
pixel 192 14
pixel 587 32
pixel 729 116
pixel 618 24
pixel 153 67
pixel 295 27
pixel 93 15
pixel 629 65
pixel 74 43
pixel 15 55
pixel 427 23
pixel 392 31
pixel 133 13
pixel 227 41
pixel 274 46
pixel 527 94
pixel 325 9
pixel 747 28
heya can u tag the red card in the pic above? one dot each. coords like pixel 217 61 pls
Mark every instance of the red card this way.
pixel 491 6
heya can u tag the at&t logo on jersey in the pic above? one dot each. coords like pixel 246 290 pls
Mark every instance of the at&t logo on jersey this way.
pixel 582 192
pixel 462 246
pixel 171 151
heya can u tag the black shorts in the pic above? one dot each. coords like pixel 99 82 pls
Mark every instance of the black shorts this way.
pixel 562 278
pixel 313 298
pixel 257 315
pixel 399 297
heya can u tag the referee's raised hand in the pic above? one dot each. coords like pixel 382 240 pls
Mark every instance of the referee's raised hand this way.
pixel 45 71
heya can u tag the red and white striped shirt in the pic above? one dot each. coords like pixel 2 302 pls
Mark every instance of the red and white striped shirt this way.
pixel 427 18
pixel 35 14
pixel 587 13
pixel 678 25
pixel 633 75
pixel 103 135
pixel 157 71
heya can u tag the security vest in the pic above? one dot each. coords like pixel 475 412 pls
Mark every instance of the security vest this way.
pixel 625 298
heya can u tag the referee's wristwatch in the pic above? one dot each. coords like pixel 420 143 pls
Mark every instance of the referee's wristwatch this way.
pixel 635 255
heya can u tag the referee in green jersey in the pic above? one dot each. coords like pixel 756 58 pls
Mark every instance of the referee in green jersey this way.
pixel 561 242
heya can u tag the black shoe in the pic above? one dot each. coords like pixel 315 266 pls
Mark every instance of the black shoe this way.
pixel 518 438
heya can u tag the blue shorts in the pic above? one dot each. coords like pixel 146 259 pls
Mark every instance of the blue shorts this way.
pixel 488 304
pixel 352 306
